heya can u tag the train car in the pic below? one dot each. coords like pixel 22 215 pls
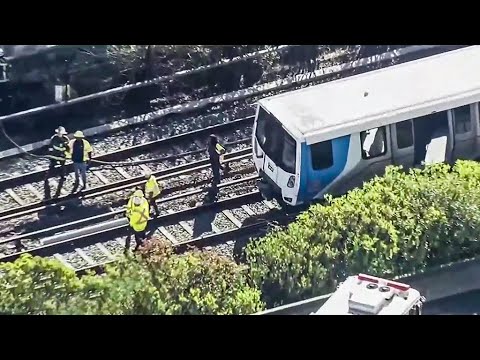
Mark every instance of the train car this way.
pixel 330 138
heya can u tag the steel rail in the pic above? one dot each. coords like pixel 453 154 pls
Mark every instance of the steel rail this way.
pixel 164 220
pixel 105 216
pixel 39 175
pixel 121 185
pixel 205 241
pixel 140 84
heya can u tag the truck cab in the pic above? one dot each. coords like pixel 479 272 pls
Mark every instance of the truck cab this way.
pixel 368 295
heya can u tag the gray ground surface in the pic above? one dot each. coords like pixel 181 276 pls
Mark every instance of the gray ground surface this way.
pixel 464 304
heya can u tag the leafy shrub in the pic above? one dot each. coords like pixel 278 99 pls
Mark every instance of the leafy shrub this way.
pixel 157 282
pixel 35 286
pixel 396 224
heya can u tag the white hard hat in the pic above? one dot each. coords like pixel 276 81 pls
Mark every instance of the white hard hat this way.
pixel 78 134
pixel 61 130
pixel 147 173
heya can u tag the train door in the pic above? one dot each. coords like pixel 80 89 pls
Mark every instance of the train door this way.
pixel 402 143
pixel 435 133
pixel 464 118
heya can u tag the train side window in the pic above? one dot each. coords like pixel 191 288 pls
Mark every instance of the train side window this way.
pixel 374 142
pixel 404 134
pixel 322 155
pixel 463 122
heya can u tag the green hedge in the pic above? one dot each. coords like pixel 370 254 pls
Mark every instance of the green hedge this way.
pixel 158 283
pixel 396 224
pixel 393 225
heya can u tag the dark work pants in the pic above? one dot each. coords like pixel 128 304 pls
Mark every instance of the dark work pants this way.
pixel 153 203
pixel 216 171
pixel 138 235
pixel 54 171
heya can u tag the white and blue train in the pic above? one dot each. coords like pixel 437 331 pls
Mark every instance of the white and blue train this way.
pixel 332 137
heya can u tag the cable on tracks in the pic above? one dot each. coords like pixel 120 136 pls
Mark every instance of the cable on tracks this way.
pixel 111 164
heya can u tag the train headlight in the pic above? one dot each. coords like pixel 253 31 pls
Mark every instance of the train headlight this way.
pixel 291 182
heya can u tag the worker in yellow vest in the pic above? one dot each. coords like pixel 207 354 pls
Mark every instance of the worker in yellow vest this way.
pixel 216 151
pixel 137 213
pixel 81 155
pixel 152 190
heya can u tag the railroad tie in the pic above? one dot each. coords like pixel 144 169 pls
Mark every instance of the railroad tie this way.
pixel 85 257
pixel 167 234
pixel 99 175
pixel 123 173
pixel 215 229
pixel 183 224
pixel 105 251
pixel 34 191
pixel 15 197
pixel 145 168
pixel 60 258
pixel 186 227
pixel 269 204
pixel 248 210
pixel 232 218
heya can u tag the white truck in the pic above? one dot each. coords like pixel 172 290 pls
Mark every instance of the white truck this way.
pixel 368 295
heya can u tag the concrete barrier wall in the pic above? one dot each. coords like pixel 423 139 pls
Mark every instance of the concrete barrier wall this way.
pixel 435 284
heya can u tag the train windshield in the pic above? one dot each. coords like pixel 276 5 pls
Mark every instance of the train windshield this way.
pixel 275 141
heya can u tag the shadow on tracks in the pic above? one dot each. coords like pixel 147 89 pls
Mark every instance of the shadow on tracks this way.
pixel 271 219
pixel 57 215
pixel 202 223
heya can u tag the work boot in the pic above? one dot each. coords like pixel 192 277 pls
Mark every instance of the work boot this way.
pixel 226 168
pixel 75 187
pixel 19 246
pixel 59 188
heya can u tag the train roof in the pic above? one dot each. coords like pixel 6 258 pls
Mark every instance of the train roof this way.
pixel 379 97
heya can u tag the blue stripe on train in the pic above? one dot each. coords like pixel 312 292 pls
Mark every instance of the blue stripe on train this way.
pixel 313 181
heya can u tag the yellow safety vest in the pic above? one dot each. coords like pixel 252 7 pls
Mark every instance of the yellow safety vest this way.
pixel 138 215
pixel 220 151
pixel 87 148
pixel 152 187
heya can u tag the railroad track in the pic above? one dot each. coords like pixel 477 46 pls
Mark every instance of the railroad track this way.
pixel 233 216
pixel 77 214
pixel 158 128
pixel 19 190
pixel 177 231
pixel 12 186
pixel 26 192
pixel 179 92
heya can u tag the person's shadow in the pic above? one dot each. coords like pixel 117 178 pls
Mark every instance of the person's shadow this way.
pixel 203 221
pixel 70 211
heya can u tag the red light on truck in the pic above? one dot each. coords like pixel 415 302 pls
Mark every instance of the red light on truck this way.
pixel 392 284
